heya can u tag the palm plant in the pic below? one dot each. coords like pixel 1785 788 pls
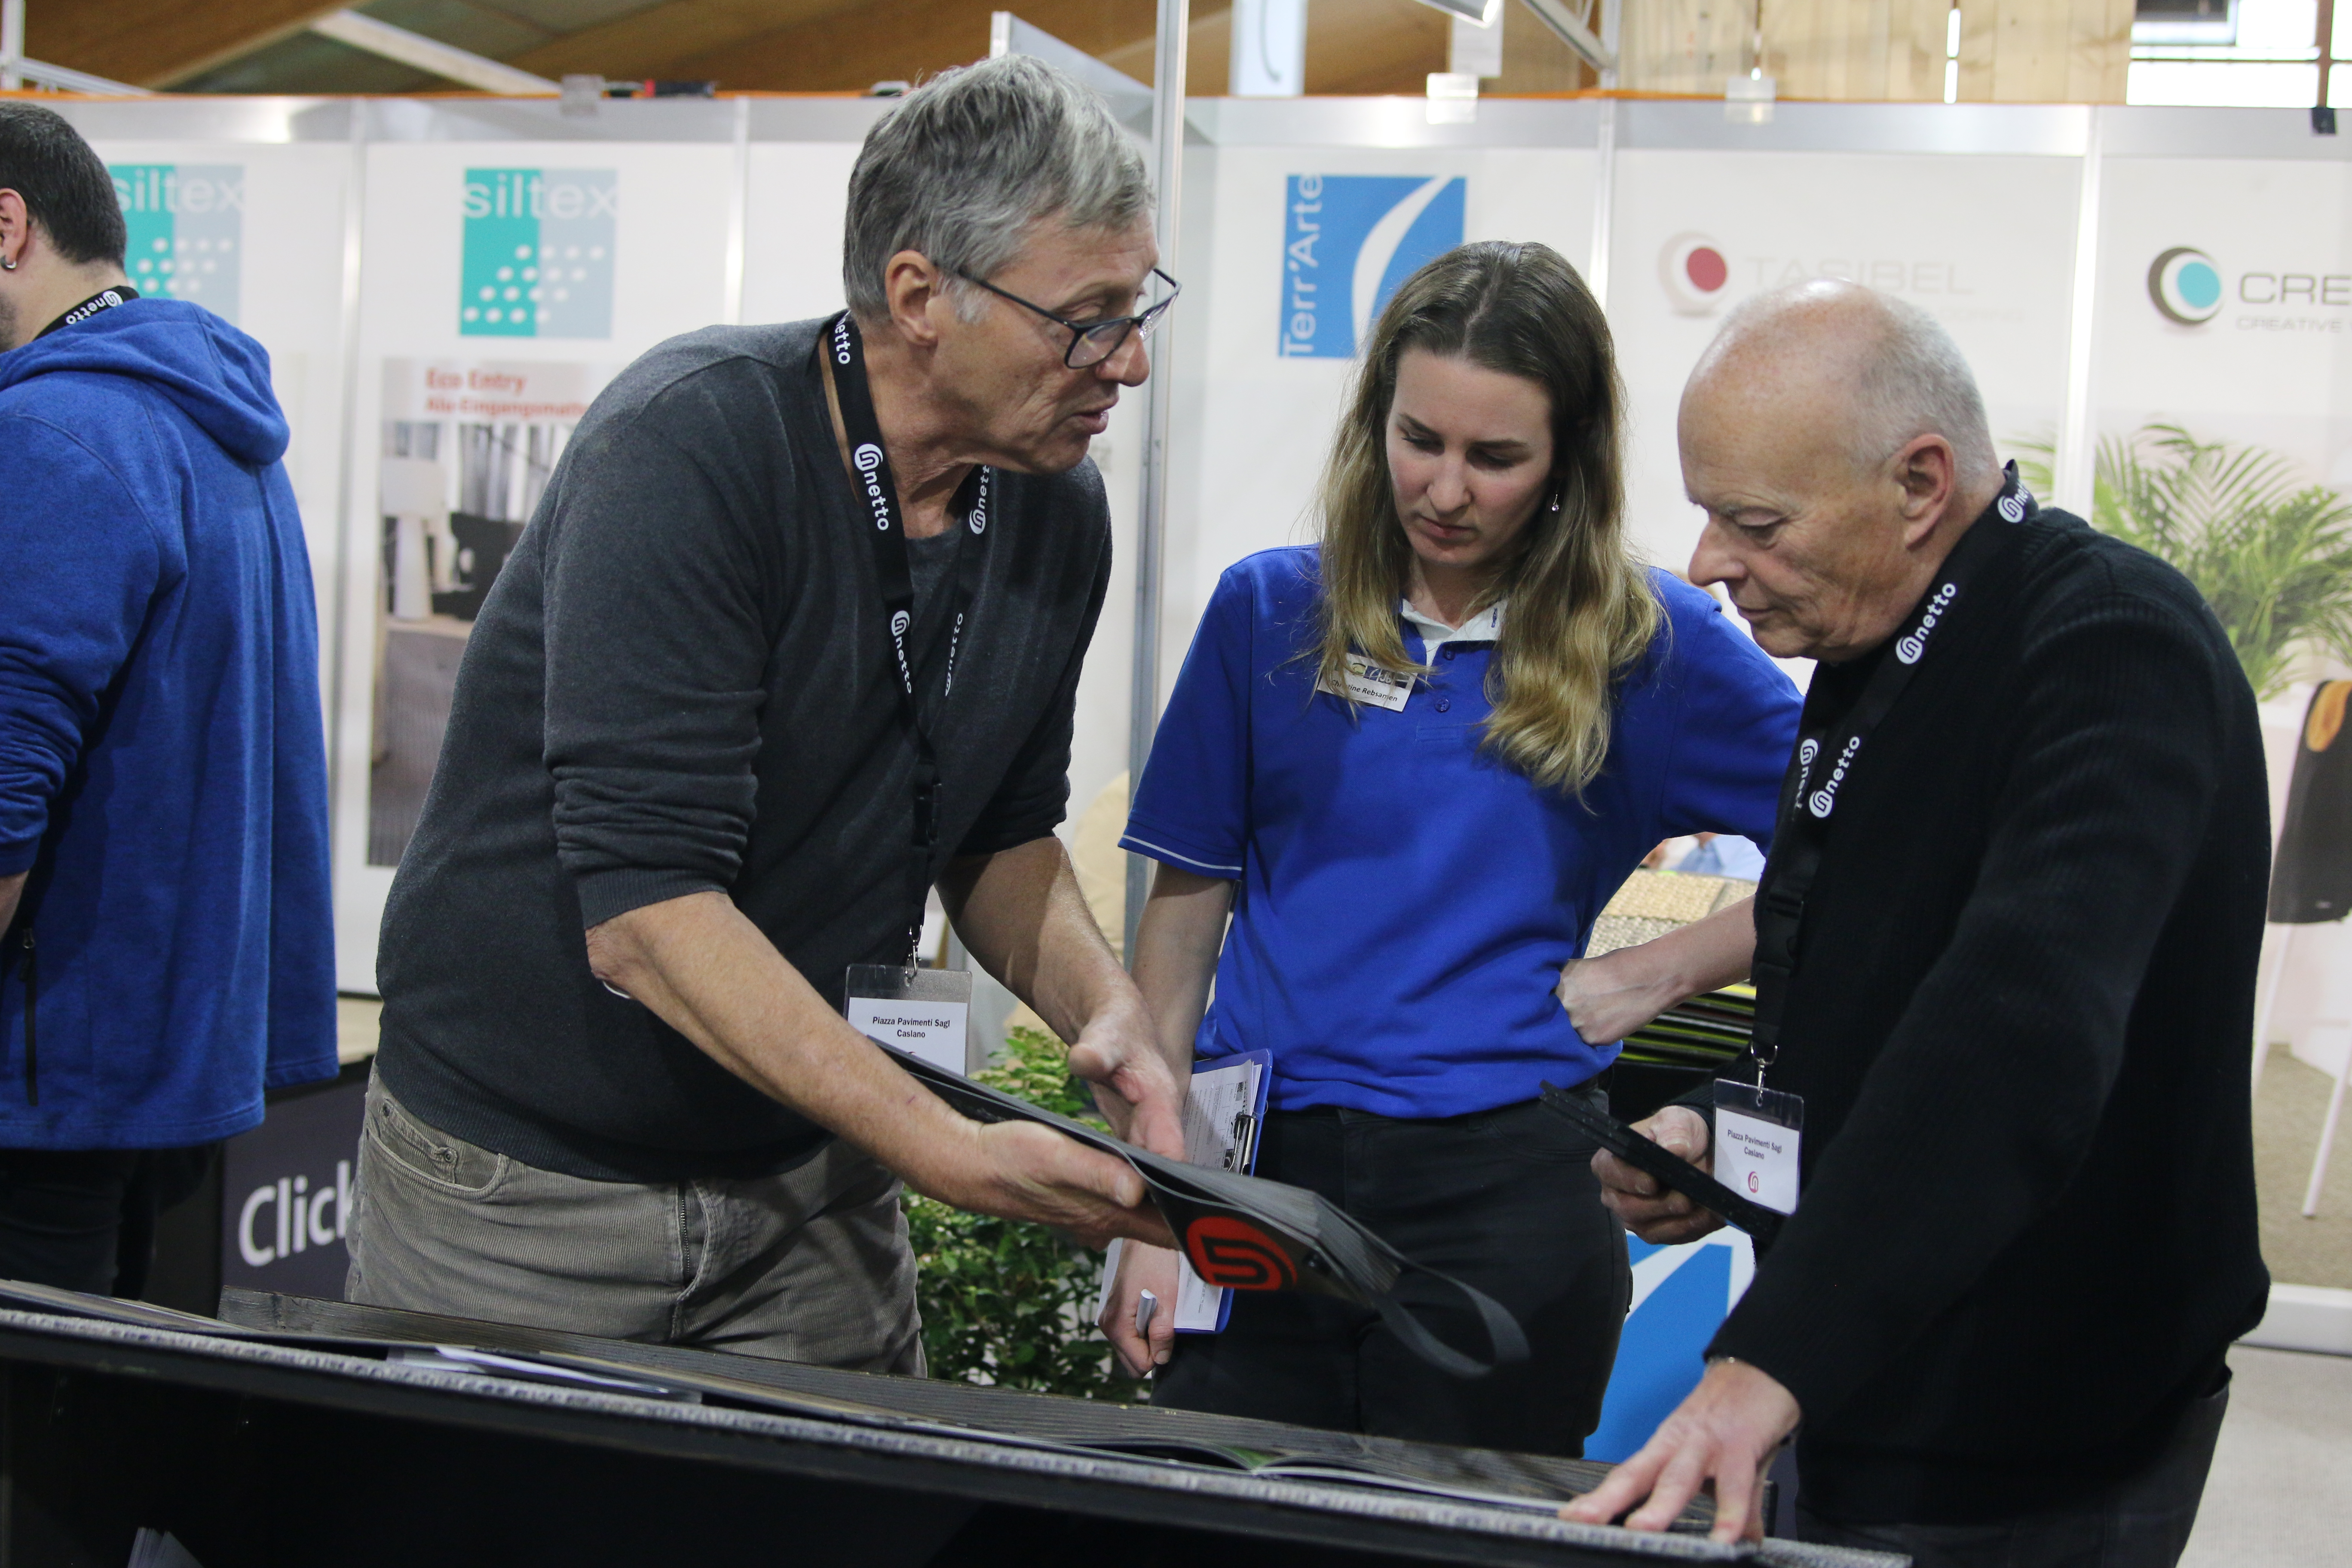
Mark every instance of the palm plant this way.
pixel 2271 556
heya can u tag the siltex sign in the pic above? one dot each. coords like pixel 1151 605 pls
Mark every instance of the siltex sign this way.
pixel 538 253
pixel 1349 241
pixel 185 226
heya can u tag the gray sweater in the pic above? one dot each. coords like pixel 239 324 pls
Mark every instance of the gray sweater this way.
pixel 681 682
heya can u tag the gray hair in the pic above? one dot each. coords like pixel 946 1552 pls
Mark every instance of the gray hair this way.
pixel 969 162
pixel 1910 377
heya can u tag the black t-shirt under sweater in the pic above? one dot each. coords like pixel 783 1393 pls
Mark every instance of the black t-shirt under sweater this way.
pixel 2021 1018
pixel 681 682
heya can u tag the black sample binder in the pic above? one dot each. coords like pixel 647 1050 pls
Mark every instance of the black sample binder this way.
pixel 1669 1169
pixel 1247 1233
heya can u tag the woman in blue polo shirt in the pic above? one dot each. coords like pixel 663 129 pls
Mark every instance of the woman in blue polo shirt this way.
pixel 1413 764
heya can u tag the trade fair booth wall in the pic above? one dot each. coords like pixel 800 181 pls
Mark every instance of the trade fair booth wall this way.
pixel 444 285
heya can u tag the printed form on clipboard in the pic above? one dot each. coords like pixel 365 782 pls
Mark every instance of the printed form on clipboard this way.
pixel 1222 1115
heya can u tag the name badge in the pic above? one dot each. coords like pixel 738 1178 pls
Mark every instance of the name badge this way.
pixel 1367 682
pixel 924 1011
pixel 1757 1135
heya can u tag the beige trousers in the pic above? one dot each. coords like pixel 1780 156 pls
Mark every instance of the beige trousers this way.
pixel 811 1265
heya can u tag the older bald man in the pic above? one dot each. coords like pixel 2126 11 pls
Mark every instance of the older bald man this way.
pixel 2006 959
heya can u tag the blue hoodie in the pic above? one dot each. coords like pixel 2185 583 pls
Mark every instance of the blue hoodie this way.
pixel 163 763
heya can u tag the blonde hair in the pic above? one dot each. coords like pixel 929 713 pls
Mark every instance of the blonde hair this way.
pixel 1581 607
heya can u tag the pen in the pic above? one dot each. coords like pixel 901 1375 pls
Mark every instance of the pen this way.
pixel 1145 1306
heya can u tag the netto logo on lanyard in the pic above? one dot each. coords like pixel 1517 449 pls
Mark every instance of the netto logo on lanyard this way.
pixel 869 461
pixel 1824 799
pixel 1805 809
pixel 869 464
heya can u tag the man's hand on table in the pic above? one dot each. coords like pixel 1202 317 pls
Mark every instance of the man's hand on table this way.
pixel 1725 1433
pixel 1643 1206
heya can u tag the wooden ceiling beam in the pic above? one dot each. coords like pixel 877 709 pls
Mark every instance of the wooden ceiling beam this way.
pixel 652 42
pixel 155 43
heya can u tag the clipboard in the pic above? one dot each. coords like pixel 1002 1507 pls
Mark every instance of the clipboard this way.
pixel 1231 1130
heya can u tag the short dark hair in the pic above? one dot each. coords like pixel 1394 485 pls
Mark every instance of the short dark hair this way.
pixel 64 185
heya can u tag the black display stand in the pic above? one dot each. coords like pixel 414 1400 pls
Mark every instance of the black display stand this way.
pixel 228 1235
pixel 254 1454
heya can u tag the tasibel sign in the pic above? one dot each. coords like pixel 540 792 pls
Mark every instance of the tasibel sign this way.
pixel 1694 273
pixel 538 253
pixel 1348 240
pixel 187 230
pixel 1698 273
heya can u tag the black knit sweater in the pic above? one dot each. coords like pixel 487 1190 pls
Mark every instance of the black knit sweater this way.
pixel 2021 1019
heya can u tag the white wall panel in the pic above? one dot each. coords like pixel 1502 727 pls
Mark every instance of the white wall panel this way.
pixel 1255 425
pixel 289 207
pixel 798 193
pixel 667 275
pixel 1985 244
pixel 2269 364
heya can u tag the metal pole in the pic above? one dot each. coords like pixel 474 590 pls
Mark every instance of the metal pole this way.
pixel 739 211
pixel 1152 514
pixel 1605 167
pixel 2327 31
pixel 2078 447
pixel 12 43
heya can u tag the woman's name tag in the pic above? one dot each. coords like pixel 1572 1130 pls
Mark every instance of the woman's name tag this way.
pixel 1367 682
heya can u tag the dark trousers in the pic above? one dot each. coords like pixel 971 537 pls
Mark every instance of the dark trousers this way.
pixel 2141 1522
pixel 1505 1200
pixel 84 1219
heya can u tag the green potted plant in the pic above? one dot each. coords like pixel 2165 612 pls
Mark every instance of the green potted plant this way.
pixel 2272 555
pixel 1004 1303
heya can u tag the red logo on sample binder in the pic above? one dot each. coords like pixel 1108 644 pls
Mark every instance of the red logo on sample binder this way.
pixel 1236 1254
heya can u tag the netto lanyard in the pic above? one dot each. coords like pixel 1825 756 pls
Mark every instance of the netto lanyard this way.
pixel 1826 752
pixel 870 475
pixel 104 300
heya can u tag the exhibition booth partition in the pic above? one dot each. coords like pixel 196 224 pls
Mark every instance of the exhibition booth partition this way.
pixel 444 285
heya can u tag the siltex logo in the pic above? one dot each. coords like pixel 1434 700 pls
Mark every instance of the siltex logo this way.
pixel 1349 241
pixel 186 231
pixel 1694 273
pixel 538 253
pixel 2185 286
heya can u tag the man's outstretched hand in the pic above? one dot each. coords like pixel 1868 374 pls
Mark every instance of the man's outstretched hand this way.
pixel 1018 1170
pixel 1134 1086
pixel 1725 1433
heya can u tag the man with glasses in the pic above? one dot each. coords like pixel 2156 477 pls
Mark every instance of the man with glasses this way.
pixel 794 636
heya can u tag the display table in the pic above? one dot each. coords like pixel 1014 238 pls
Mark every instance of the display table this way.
pixel 303 1444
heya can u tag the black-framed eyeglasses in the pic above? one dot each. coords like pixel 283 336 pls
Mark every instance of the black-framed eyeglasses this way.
pixel 1091 343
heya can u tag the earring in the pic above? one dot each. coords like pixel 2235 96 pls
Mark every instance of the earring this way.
pixel 6 266
pixel 1555 503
